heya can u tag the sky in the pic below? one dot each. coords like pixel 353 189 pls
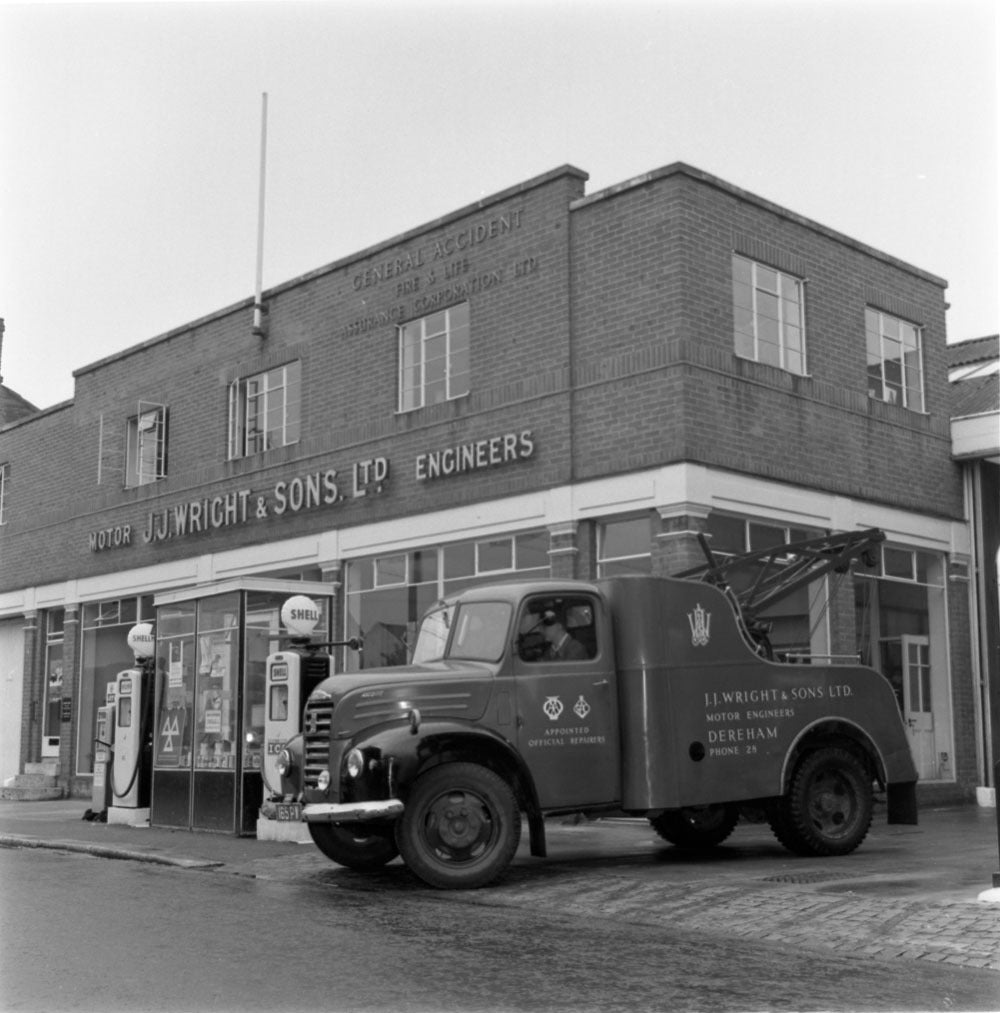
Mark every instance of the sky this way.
pixel 130 160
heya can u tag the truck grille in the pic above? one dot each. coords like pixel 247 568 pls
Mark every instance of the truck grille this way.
pixel 316 724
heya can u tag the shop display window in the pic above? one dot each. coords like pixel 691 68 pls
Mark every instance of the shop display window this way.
pixel 386 596
pixel 262 636
pixel 799 628
pixel 624 547
pixel 175 661
pixel 900 623
pixel 104 651
pixel 216 683
pixel 211 660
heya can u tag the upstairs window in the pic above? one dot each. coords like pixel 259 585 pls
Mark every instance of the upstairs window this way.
pixel 146 445
pixel 265 410
pixel 434 358
pixel 769 324
pixel 895 360
pixel 4 472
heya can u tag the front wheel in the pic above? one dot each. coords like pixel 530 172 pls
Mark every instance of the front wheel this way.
pixel 828 808
pixel 697 827
pixel 460 828
pixel 354 845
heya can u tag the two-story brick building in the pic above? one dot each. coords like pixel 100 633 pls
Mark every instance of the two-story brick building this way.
pixel 545 381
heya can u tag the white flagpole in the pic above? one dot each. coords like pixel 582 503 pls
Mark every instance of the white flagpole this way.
pixel 259 328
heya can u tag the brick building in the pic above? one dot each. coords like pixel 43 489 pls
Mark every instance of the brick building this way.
pixel 543 382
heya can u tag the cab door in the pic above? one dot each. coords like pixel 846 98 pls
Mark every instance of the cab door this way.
pixel 567 702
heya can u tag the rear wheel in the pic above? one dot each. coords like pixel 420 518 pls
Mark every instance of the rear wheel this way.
pixel 460 828
pixel 697 827
pixel 828 808
pixel 357 846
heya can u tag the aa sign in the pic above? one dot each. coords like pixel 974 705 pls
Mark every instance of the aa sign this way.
pixel 170 737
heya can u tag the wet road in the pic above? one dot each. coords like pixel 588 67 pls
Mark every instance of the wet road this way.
pixel 184 940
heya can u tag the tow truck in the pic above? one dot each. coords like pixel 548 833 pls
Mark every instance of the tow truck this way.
pixel 652 697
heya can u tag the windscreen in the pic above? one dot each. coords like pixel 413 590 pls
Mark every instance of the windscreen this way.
pixel 473 632
pixel 481 631
pixel 433 636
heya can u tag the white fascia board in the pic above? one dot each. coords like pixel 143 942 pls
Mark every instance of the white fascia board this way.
pixel 672 490
pixel 265 555
pixel 476 520
pixel 119 584
pixel 976 435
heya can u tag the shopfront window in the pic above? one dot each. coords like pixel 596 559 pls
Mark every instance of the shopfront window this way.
pixel 211 656
pixel 217 666
pixel 104 652
pixel 386 596
pixel 798 623
pixel 623 547
pixel 262 635
pixel 175 667
pixel 901 624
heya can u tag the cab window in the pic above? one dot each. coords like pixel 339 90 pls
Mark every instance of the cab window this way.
pixel 557 629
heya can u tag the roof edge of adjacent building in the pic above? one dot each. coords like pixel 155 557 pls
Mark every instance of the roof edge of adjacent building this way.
pixel 39 413
pixel 684 169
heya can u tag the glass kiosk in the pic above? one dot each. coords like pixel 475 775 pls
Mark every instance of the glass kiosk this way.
pixel 211 647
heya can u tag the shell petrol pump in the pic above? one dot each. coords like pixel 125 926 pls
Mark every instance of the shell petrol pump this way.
pixel 291 675
pixel 130 769
pixel 104 744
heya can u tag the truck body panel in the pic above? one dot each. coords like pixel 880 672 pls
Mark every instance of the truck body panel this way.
pixel 710 720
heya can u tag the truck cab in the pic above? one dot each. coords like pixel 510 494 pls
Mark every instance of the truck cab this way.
pixel 641 695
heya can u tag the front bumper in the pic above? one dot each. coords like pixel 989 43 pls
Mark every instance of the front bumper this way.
pixel 352 812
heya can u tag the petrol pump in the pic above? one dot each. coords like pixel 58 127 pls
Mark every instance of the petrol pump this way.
pixel 291 675
pixel 130 768
pixel 104 743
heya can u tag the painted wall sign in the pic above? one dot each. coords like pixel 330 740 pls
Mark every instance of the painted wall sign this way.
pixel 319 489
pixel 314 491
pixel 443 271
pixel 475 456
pixel 460 241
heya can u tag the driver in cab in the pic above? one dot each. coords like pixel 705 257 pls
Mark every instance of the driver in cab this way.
pixel 560 646
pixel 545 638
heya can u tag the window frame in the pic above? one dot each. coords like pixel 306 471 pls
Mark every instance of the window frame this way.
pixel 632 562
pixel 136 445
pixel 4 480
pixel 240 396
pixel 785 351
pixel 412 382
pixel 904 386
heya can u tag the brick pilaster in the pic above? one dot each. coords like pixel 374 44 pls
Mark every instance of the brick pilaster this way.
pixel 563 551
pixel 676 547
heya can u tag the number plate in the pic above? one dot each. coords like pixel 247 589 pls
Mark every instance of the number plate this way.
pixel 288 812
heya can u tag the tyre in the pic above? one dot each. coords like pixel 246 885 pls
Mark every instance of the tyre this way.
pixel 828 808
pixel 460 828
pixel 697 827
pixel 355 845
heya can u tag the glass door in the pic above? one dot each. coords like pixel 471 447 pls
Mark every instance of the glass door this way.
pixel 52 708
pixel 917 711
pixel 216 695
pixel 175 650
